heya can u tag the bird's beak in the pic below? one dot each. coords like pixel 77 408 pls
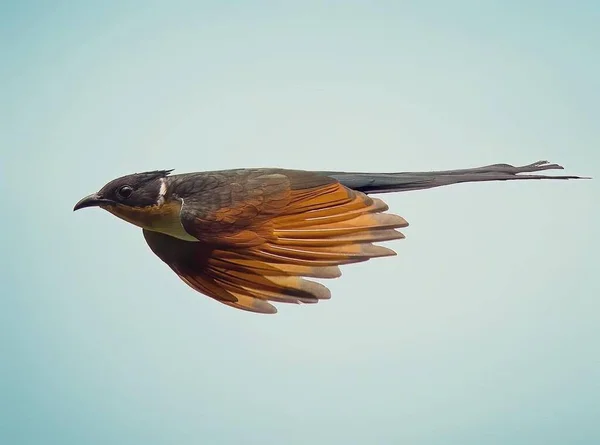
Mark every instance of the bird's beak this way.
pixel 93 200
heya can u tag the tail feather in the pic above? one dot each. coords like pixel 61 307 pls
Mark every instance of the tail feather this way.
pixel 408 181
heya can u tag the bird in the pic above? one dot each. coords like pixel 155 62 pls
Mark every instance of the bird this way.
pixel 252 237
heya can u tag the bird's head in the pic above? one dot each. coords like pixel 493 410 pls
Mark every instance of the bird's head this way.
pixel 137 191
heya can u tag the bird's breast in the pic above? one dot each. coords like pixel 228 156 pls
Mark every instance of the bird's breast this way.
pixel 164 218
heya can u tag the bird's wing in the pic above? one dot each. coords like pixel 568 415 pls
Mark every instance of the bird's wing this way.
pixel 235 207
pixel 275 231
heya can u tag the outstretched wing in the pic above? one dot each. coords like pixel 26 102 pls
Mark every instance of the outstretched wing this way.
pixel 260 238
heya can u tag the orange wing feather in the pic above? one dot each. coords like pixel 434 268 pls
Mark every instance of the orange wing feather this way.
pixel 318 229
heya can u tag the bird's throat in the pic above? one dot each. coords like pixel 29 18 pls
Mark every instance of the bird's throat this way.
pixel 159 218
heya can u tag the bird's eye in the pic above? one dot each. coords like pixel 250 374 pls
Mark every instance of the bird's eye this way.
pixel 125 191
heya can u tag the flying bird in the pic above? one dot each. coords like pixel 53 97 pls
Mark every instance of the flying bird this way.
pixel 248 237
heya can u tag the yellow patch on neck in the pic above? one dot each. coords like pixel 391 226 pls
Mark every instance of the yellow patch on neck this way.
pixel 158 218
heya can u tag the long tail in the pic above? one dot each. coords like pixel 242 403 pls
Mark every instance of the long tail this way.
pixel 408 181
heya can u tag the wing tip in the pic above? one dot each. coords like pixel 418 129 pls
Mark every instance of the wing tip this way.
pixel 257 306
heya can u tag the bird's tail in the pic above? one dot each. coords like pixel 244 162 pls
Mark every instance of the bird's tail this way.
pixel 407 181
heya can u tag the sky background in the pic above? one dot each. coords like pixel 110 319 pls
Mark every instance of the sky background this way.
pixel 484 329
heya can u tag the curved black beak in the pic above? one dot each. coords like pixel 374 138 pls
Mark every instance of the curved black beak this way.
pixel 93 200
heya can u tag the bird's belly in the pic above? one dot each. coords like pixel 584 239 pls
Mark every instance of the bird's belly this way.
pixel 164 219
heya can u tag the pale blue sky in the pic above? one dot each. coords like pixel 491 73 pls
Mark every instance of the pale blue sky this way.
pixel 483 330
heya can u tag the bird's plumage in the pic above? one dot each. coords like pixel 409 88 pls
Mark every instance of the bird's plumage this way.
pixel 248 237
